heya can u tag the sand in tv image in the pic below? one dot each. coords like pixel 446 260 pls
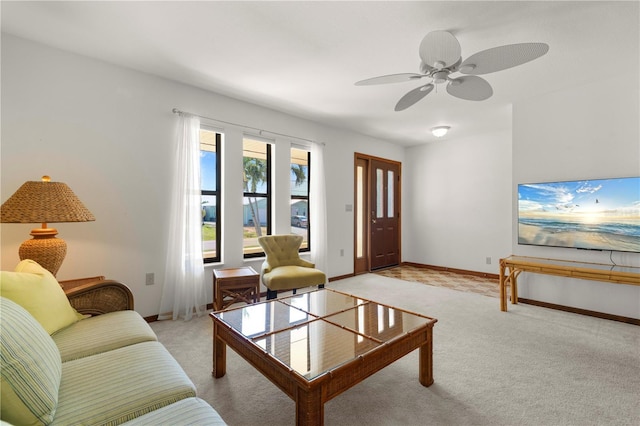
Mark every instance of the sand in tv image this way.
pixel 601 214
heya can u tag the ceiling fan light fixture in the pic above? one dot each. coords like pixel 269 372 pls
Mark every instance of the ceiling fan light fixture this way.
pixel 440 131
pixel 440 77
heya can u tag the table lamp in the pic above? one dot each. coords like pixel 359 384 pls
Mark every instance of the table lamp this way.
pixel 44 202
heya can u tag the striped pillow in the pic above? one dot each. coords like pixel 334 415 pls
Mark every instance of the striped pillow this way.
pixel 30 366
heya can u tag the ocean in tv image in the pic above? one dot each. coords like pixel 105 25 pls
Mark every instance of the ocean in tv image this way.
pixel 596 214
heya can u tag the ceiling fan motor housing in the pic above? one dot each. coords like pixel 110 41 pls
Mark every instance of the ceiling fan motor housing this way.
pixel 440 77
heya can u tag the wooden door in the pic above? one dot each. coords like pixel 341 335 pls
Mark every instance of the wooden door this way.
pixel 385 214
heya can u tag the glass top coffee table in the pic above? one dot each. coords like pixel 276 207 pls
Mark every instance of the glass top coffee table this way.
pixel 316 345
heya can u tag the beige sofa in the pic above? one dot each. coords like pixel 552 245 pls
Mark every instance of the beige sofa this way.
pixel 105 369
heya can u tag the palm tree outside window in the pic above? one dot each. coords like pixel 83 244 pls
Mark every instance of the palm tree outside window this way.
pixel 256 209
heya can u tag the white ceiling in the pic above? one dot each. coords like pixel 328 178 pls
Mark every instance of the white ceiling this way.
pixel 304 57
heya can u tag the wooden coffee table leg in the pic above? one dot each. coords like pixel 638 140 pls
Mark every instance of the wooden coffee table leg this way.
pixel 309 407
pixel 219 355
pixel 426 360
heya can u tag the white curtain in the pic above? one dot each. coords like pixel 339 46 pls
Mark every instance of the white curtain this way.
pixel 318 208
pixel 184 287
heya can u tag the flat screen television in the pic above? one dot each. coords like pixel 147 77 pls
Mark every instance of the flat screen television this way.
pixel 594 214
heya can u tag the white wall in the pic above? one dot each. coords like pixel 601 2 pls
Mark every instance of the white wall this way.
pixel 457 207
pixel 460 202
pixel 584 132
pixel 108 133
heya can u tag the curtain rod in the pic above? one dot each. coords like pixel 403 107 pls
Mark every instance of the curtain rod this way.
pixel 260 131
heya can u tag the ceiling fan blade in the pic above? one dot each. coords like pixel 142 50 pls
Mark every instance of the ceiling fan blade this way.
pixel 391 78
pixel 413 96
pixel 439 49
pixel 502 57
pixel 470 88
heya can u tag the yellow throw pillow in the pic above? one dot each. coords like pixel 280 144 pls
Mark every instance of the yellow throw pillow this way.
pixel 38 291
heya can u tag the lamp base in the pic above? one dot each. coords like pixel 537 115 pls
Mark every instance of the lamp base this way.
pixel 45 249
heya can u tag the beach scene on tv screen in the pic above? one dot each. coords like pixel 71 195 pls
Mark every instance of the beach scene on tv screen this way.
pixel 590 214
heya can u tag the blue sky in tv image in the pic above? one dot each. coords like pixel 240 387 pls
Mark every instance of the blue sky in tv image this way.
pixel 602 214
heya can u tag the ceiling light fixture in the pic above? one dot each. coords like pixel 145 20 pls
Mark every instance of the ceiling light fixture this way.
pixel 440 131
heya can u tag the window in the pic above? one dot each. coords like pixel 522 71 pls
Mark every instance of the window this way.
pixel 256 209
pixel 300 160
pixel 210 143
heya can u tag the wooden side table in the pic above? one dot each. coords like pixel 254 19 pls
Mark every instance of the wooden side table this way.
pixel 235 285
pixel 69 284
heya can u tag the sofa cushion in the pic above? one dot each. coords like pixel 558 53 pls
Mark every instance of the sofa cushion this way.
pixel 38 291
pixel 30 367
pixel 119 385
pixel 102 333
pixel 190 411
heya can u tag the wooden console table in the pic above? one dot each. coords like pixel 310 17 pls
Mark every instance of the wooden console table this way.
pixel 513 266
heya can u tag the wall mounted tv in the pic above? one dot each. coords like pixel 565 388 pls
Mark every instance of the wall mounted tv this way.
pixel 595 214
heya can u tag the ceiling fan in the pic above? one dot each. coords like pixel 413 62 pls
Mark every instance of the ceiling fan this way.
pixel 440 55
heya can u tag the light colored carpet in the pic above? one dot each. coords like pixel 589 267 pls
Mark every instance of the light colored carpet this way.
pixel 529 366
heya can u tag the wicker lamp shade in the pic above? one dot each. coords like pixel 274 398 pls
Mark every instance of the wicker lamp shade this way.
pixel 44 202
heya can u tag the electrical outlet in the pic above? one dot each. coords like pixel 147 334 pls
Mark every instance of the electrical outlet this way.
pixel 341 252
pixel 150 279
pixel 488 260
